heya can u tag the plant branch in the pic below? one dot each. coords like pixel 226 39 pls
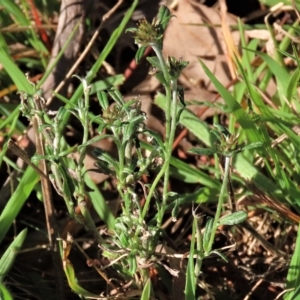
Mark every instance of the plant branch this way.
pixel 220 203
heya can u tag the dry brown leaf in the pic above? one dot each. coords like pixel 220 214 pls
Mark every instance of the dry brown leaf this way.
pixel 189 37
pixel 262 34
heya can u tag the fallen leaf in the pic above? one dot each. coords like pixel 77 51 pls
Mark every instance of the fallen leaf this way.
pixel 193 36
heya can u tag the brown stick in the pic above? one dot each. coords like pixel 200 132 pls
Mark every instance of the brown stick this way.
pixel 51 223
pixel 24 156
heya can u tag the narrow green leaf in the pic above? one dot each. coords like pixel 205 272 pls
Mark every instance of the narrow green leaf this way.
pixel 16 201
pixel 4 293
pixel 207 233
pixel 203 151
pixel 14 72
pixel 105 156
pixel 235 108
pixel 131 29
pixel 234 218
pixel 146 290
pixel 220 254
pixel 154 61
pixel 175 211
pixel 296 295
pixel 248 171
pixel 95 139
pixel 116 95
pixel 223 130
pixel 73 283
pixel 291 89
pixel 253 146
pixel 15 12
pixel 282 76
pixel 293 277
pixel 140 53
pixel 103 100
pixel 131 260
pixel 160 77
pixel 10 116
pixel 164 16
pixel 190 283
pixel 10 254
pixel 102 85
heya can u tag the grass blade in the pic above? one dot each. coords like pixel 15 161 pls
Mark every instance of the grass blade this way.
pixel 190 284
pixel 293 277
pixel 16 201
pixel 4 293
pixel 146 290
pixel 235 108
pixel 8 258
pixel 14 72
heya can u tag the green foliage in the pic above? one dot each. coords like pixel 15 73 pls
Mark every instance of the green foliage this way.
pixel 4 292
pixel 132 238
pixel 17 200
pixel 293 277
pixel 274 2
pixel 7 260
pixel 234 218
pixel 190 284
pixel 146 290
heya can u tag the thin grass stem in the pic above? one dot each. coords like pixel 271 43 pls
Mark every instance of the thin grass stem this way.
pixel 220 203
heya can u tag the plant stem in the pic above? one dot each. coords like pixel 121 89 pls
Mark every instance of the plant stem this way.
pixel 83 117
pixel 151 191
pixel 199 239
pixel 80 170
pixel 171 110
pixel 163 65
pixel 220 203
pixel 169 146
pixel 85 124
